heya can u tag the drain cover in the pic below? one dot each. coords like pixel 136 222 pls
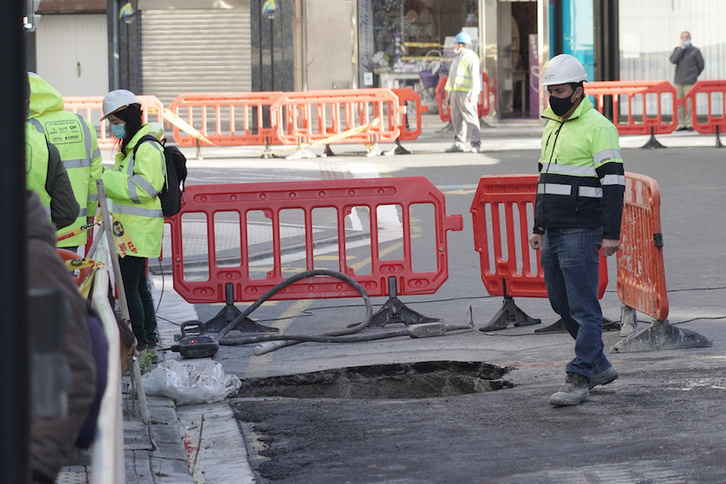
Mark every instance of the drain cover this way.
pixel 393 381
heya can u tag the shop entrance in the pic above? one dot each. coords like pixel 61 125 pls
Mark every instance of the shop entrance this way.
pixel 409 43
pixel 517 66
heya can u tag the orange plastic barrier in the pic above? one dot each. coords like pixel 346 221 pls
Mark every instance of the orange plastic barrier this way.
pixel 629 97
pixel 405 96
pixel 91 109
pixel 227 119
pixel 233 282
pixel 503 216
pixel 314 116
pixel 484 106
pixel 714 93
pixel 641 272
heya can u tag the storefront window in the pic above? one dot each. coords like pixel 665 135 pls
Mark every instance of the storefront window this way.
pixel 411 36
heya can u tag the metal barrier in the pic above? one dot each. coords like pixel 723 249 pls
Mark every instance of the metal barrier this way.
pixel 714 93
pixel 503 217
pixel 629 101
pixel 91 109
pixel 483 106
pixel 316 116
pixel 229 283
pixel 641 272
pixel 237 119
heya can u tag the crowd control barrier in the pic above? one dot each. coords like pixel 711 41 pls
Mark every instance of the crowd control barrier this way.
pixel 234 283
pixel 408 98
pixel 714 93
pixel 641 279
pixel 227 119
pixel 503 217
pixel 631 111
pixel 364 116
pixel 91 109
pixel 484 106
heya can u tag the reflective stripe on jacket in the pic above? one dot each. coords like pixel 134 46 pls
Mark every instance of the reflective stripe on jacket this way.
pixel 133 185
pixel 464 75
pixel 581 181
pixel 75 138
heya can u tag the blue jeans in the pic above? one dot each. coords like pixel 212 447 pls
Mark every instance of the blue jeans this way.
pixel 570 259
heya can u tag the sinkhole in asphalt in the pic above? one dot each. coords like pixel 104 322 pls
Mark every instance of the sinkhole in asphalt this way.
pixel 426 379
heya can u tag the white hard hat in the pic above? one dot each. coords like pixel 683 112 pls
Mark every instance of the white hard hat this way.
pixel 117 100
pixel 563 69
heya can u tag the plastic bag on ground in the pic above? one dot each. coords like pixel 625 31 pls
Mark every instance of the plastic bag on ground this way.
pixel 191 382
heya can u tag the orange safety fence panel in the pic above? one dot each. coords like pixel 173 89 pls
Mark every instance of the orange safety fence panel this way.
pixel 633 109
pixel 714 92
pixel 641 271
pixel 503 218
pixel 484 106
pixel 91 108
pixel 367 115
pixel 227 119
pixel 358 214
pixel 405 96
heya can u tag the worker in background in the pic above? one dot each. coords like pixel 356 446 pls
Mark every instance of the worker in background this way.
pixel 46 175
pixel 75 138
pixel 578 211
pixel 463 87
pixel 133 185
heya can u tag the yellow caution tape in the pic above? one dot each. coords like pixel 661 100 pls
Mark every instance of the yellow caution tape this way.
pixel 123 240
pixel 174 119
pixel 75 231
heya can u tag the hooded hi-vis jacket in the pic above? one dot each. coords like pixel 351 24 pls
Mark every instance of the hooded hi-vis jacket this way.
pixel 75 138
pixel 581 181
pixel 133 186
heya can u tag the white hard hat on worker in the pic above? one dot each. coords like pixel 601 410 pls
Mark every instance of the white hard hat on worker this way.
pixel 117 100
pixel 563 69
pixel 563 78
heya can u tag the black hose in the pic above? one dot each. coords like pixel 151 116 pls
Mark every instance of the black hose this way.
pixel 223 340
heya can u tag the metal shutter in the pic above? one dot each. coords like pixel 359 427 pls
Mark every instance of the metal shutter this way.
pixel 196 50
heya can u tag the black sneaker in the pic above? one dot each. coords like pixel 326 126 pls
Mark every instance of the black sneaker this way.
pixel 141 347
pixel 573 392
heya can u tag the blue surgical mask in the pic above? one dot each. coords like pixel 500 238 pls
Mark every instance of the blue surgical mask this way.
pixel 687 43
pixel 118 130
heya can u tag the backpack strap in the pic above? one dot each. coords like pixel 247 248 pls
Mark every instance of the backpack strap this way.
pixel 144 139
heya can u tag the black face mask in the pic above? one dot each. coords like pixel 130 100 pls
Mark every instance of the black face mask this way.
pixel 561 105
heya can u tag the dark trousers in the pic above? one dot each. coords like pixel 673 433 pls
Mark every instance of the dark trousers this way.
pixel 138 298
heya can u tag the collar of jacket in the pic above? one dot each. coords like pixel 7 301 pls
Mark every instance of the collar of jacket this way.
pixel 143 131
pixel 584 106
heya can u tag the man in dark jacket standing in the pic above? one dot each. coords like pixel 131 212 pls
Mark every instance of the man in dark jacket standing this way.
pixel 578 210
pixel 689 65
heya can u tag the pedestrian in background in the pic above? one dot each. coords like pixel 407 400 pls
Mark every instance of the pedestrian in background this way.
pixel 689 65
pixel 75 138
pixel 578 208
pixel 463 87
pixel 133 186
pixel 46 175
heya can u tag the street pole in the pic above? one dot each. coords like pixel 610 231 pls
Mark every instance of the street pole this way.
pixel 14 343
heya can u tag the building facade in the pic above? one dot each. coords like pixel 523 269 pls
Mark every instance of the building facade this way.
pixel 165 47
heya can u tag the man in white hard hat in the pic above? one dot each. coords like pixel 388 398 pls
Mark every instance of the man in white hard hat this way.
pixel 463 86
pixel 578 209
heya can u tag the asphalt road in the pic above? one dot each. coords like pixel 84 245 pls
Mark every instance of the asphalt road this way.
pixel 662 421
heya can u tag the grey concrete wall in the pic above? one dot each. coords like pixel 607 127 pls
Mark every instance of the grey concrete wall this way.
pixel 329 44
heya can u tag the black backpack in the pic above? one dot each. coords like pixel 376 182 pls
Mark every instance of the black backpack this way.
pixel 175 176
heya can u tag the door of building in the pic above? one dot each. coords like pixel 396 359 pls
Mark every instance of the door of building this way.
pixel 71 53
